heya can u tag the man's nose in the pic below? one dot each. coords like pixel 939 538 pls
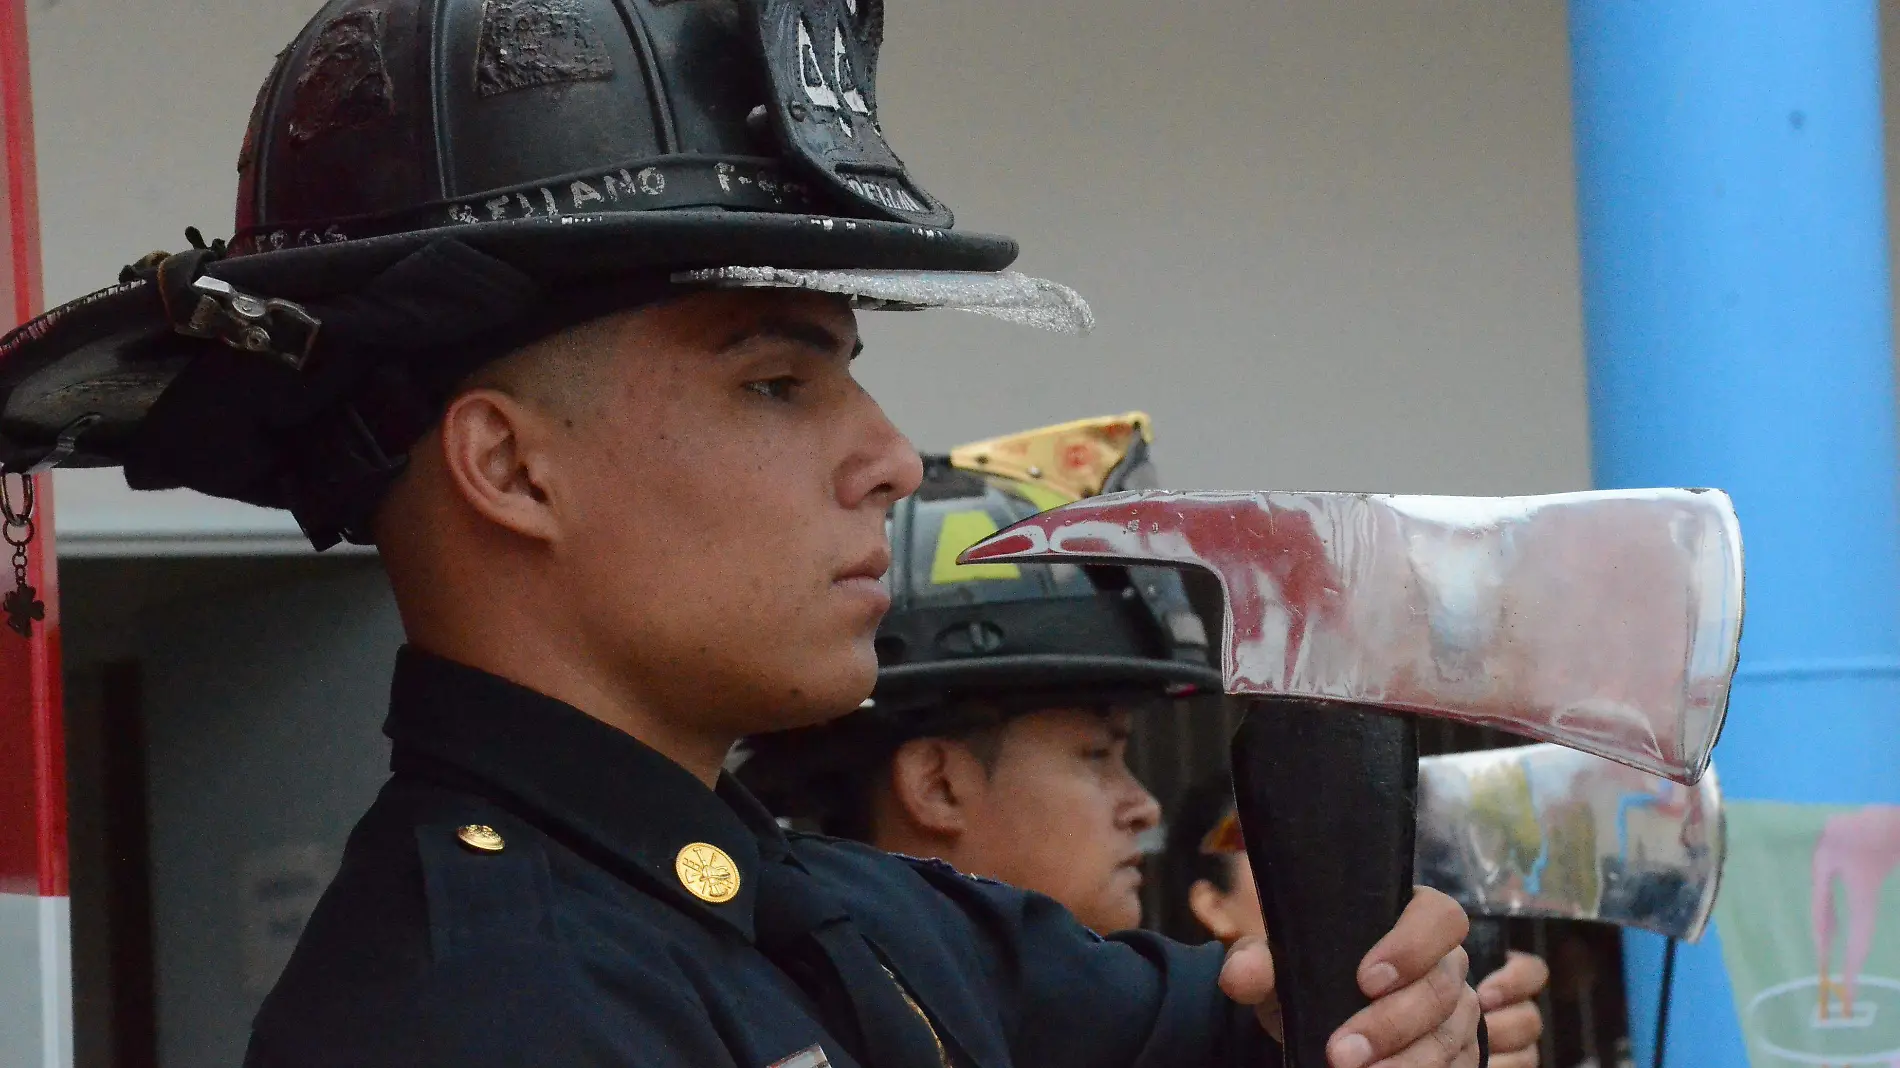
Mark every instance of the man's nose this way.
pixel 1141 813
pixel 885 467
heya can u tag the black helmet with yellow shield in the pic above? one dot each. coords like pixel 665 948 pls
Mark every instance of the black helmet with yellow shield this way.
pixel 965 646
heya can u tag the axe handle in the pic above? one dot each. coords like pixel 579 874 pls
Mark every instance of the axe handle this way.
pixel 1327 796
pixel 1488 945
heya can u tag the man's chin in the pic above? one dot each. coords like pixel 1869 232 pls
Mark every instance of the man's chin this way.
pixel 816 716
pixel 1121 916
pixel 786 692
pixel 841 695
pixel 1115 905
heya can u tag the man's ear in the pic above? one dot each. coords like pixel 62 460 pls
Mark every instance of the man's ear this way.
pixel 935 781
pixel 1214 911
pixel 496 451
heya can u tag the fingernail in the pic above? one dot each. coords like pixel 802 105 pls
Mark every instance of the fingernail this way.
pixel 1489 999
pixel 1381 978
pixel 1353 1051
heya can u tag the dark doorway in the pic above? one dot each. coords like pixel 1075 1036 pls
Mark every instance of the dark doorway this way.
pixel 114 1002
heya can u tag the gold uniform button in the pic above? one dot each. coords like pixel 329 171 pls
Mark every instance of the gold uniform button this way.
pixel 480 839
pixel 707 873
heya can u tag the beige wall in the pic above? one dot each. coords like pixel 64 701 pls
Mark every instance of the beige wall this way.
pixel 140 107
pixel 1330 243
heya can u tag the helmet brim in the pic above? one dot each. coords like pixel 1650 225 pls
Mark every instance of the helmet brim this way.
pixel 977 675
pixel 592 249
pixel 782 766
pixel 92 358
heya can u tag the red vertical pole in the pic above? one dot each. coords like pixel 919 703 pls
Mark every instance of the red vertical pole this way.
pixel 35 941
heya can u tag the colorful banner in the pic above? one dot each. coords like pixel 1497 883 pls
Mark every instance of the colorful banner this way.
pixel 1810 920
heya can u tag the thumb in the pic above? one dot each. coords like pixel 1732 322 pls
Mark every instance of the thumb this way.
pixel 1247 976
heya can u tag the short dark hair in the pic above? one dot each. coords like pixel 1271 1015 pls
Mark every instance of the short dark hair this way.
pixel 826 778
pixel 1198 810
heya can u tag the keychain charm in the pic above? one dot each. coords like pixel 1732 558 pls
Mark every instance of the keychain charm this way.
pixel 23 606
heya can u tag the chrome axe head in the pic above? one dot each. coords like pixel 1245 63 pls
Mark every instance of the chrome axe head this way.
pixel 1604 621
pixel 1544 832
pixel 1548 832
pixel 1607 622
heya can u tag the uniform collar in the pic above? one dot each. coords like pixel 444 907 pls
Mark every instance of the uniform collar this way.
pixel 575 776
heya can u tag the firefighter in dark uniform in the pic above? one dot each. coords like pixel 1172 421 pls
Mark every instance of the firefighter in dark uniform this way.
pixel 997 737
pixel 552 301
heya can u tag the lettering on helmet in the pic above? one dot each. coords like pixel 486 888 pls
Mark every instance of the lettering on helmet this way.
pixel 841 92
pixel 582 193
pixel 649 182
pixel 847 80
pixel 275 240
pixel 550 201
pixel 825 103
pixel 658 185
pixel 884 192
pixel 818 92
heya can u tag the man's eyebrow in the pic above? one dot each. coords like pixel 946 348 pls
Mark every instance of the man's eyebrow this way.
pixel 797 331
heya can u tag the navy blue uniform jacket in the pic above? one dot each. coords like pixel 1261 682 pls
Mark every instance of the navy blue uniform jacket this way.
pixel 577 945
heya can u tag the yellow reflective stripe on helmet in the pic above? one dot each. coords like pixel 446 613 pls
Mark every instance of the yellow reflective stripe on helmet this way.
pixel 1042 497
pixel 961 530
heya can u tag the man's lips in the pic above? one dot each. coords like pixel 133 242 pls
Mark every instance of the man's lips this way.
pixel 869 568
pixel 864 580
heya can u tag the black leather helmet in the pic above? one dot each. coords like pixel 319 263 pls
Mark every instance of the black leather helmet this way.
pixel 427 184
pixel 1017 638
pixel 992 627
pixel 656 132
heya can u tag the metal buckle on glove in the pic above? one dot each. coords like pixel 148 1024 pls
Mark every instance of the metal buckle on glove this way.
pixel 263 325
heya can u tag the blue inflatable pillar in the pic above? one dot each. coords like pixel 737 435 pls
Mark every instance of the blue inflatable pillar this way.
pixel 1737 320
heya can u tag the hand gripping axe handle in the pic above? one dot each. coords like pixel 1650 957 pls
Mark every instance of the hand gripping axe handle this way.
pixel 1605 621
pixel 1326 795
pixel 1488 946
